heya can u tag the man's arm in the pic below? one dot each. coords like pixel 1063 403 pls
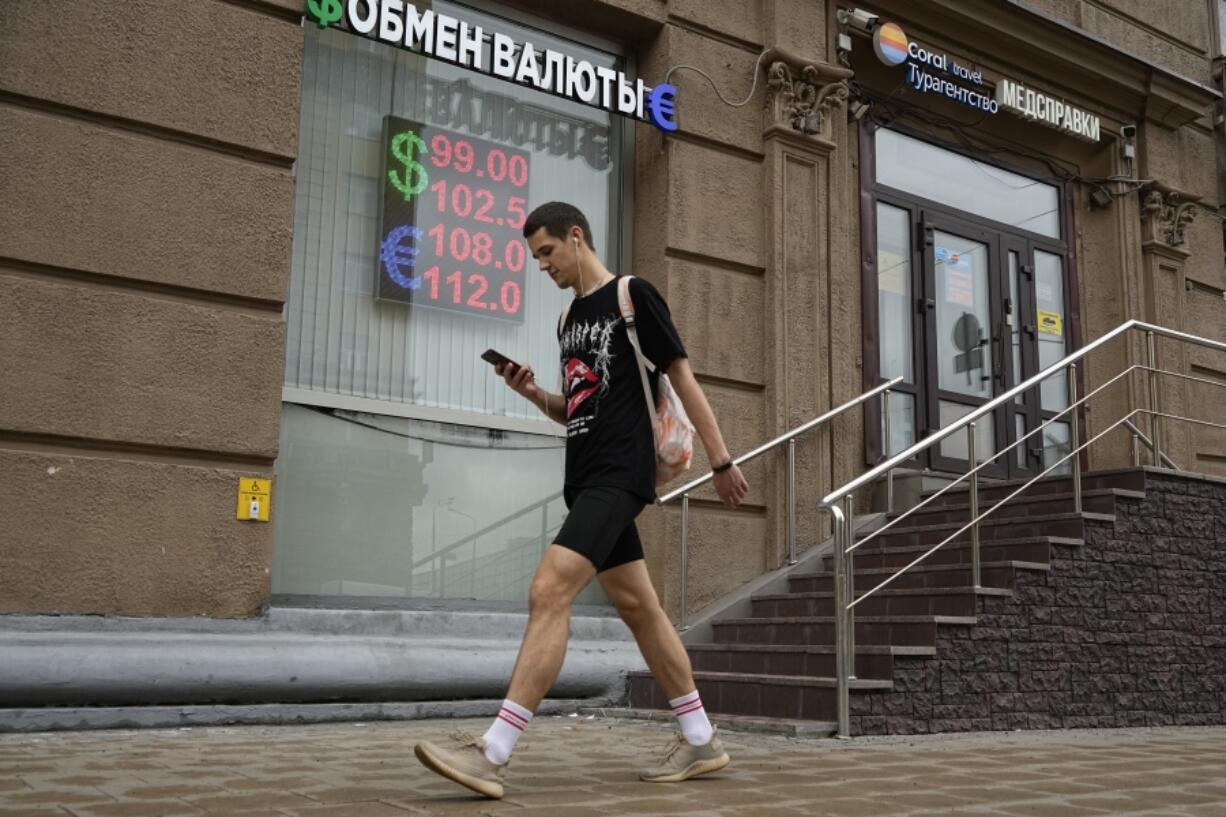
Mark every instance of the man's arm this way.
pixel 730 484
pixel 553 405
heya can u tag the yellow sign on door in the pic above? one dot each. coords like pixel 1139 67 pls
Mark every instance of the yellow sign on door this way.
pixel 1051 323
pixel 254 499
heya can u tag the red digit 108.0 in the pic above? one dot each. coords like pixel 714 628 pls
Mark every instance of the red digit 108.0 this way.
pixel 475 286
pixel 461 245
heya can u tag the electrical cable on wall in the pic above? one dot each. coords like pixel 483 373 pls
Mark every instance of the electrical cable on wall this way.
pixel 334 413
pixel 753 89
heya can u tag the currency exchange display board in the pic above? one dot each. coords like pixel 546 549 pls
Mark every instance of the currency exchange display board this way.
pixel 453 208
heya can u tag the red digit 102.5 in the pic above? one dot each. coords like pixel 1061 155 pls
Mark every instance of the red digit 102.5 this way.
pixel 462 200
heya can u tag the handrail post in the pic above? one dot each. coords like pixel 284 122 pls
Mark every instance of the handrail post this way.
pixel 1152 351
pixel 792 501
pixel 972 459
pixel 842 703
pixel 849 565
pixel 1136 450
pixel 886 446
pixel 685 556
pixel 1074 436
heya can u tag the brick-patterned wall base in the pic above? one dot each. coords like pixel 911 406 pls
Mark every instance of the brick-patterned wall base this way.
pixel 1127 630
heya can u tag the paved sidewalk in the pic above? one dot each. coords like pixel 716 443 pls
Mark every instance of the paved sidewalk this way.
pixel 572 767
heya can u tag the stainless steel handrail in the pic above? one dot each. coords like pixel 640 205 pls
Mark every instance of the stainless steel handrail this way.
pixel 996 402
pixel 790 438
pixel 1138 436
pixel 839 503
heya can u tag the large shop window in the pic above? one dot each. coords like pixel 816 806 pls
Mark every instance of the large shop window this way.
pixel 970 299
pixel 406 468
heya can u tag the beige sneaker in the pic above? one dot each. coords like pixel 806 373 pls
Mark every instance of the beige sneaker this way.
pixel 684 761
pixel 465 763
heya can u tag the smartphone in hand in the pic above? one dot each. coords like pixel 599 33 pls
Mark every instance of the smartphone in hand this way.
pixel 495 358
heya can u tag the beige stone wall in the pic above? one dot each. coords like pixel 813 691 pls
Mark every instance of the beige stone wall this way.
pixel 1176 34
pixel 145 173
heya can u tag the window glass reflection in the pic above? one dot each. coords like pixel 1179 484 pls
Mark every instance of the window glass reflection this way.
pixel 369 505
pixel 964 346
pixel 958 181
pixel 1050 318
pixel 894 291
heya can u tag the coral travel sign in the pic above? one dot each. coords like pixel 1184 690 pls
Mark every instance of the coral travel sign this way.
pixel 936 73
pixel 925 69
pixel 454 40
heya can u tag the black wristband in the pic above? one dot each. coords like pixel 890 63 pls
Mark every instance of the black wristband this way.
pixel 719 469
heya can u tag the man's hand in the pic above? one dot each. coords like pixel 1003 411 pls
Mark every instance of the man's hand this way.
pixel 731 486
pixel 521 379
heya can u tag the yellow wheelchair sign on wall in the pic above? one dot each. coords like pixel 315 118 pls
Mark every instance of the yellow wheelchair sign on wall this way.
pixel 254 499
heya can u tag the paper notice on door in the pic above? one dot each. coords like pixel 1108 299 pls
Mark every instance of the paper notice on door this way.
pixel 1051 323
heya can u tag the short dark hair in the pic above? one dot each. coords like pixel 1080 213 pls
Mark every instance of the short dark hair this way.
pixel 557 217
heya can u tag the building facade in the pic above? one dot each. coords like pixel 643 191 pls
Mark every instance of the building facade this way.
pixel 258 239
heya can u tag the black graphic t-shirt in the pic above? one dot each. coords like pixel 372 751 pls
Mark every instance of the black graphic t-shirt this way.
pixel 609 442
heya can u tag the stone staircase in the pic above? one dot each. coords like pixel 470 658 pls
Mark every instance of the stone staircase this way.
pixel 778 663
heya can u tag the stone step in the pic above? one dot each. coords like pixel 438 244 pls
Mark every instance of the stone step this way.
pixel 1032 549
pixel 900 631
pixel 1070 525
pixel 991 574
pixel 1131 480
pixel 1098 501
pixel 772 696
pixel 889 601
pixel 818 660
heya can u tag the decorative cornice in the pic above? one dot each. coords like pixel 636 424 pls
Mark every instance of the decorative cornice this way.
pixel 804 99
pixel 1165 216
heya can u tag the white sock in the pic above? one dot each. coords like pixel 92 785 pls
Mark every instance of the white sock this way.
pixel 500 740
pixel 694 724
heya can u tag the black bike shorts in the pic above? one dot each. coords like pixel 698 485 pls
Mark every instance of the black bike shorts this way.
pixel 600 526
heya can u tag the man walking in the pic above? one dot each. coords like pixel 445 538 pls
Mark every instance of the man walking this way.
pixel 610 478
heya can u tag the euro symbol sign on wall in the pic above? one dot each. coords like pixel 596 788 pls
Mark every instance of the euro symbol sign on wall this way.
pixel 398 257
pixel 662 108
pixel 324 12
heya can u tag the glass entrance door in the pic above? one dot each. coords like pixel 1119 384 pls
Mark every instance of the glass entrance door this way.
pixel 969 265
pixel 962 309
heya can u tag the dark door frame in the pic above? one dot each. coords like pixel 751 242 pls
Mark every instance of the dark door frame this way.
pixel 1003 239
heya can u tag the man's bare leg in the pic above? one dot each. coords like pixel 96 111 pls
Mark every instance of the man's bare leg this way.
pixel 559 578
pixel 479 765
pixel 701 752
pixel 630 589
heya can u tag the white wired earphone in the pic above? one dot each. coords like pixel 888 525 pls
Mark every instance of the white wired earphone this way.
pixel 579 266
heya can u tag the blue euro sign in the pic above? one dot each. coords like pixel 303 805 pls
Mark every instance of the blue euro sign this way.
pixel 661 106
pixel 398 258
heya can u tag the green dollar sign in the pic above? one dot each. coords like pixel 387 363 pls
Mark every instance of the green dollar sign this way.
pixel 402 149
pixel 325 12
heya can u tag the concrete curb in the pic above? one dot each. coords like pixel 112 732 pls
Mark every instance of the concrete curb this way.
pixel 293 657
pixel 731 723
pixel 172 717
